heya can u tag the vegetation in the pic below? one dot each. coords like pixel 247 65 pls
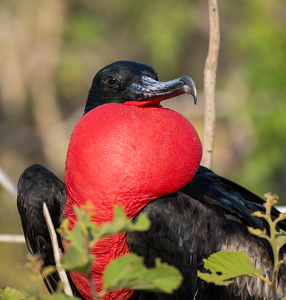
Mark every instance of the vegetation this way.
pixel 226 265
pixel 128 271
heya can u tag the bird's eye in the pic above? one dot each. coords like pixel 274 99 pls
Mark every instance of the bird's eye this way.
pixel 111 80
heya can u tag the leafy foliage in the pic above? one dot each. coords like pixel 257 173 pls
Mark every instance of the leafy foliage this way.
pixel 226 265
pixel 129 272
pixel 125 272
pixel 13 294
pixel 86 233
pixel 9 293
pixel 34 291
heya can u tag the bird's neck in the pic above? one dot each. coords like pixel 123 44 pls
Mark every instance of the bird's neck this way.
pixel 91 103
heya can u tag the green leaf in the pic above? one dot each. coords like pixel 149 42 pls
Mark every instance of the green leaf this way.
pixel 122 224
pixel 59 296
pixel 280 238
pixel 8 293
pixel 83 215
pixel 130 272
pixel 77 259
pixel 34 291
pixel 226 265
pixel 86 233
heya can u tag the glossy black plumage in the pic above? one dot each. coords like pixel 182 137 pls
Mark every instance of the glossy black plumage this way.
pixel 124 73
pixel 37 186
pixel 209 214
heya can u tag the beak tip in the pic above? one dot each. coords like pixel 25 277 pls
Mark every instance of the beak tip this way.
pixel 195 98
pixel 189 87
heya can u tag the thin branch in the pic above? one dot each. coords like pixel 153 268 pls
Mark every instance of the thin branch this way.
pixel 57 254
pixel 94 293
pixel 209 84
pixel 8 183
pixel 12 238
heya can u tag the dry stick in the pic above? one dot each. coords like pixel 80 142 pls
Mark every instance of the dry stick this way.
pixel 209 84
pixel 8 183
pixel 57 254
pixel 12 238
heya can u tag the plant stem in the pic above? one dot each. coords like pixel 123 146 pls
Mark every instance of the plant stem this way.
pixel 276 265
pixel 262 278
pixel 94 293
pixel 273 285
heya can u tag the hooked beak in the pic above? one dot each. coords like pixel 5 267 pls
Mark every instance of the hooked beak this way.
pixel 149 89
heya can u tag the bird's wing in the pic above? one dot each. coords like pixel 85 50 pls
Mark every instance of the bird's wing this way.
pixel 207 184
pixel 210 187
pixel 37 186
pixel 184 231
pixel 248 197
pixel 235 199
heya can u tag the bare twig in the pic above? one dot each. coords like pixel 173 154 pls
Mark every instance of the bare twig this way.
pixel 12 238
pixel 57 254
pixel 94 293
pixel 8 183
pixel 209 84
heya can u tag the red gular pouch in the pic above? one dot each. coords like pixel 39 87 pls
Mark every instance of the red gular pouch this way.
pixel 129 155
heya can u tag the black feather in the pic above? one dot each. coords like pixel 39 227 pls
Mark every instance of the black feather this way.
pixel 37 186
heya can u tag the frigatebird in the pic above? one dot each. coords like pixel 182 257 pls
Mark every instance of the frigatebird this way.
pixel 129 150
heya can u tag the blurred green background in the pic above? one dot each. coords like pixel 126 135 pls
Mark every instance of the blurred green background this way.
pixel 50 50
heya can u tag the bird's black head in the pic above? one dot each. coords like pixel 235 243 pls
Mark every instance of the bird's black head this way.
pixel 124 81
